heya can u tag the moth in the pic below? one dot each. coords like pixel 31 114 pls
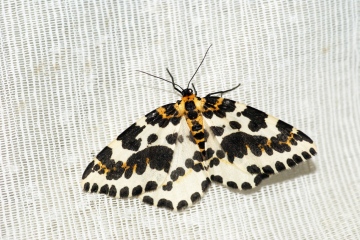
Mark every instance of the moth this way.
pixel 169 157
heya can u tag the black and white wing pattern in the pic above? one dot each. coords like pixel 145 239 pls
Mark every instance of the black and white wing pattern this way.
pixel 138 160
pixel 156 159
pixel 248 145
pixel 169 157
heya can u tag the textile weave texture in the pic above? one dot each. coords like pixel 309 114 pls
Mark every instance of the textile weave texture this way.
pixel 69 86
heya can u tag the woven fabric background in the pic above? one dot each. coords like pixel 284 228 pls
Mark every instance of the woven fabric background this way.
pixel 69 86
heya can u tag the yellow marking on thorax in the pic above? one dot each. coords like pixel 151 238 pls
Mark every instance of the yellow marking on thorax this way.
pixel 198 103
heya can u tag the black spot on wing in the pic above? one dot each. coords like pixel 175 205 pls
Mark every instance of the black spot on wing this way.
pixel 268 170
pixel 178 172
pixel 175 120
pixel 219 113
pixel 306 155
pixel 312 151
pixel 253 169
pixel 209 153
pixel 268 150
pixel 216 178
pixel 211 101
pixel 182 204
pixel 154 117
pixel 297 158
pixel 148 200
pixel 96 167
pixel 165 203
pixel 258 179
pixel 152 138
pixel 198 167
pixel 181 139
pixel 112 191
pixel 227 105
pixel 104 189
pixel 219 110
pixel 195 197
pixel 214 162
pixel 168 186
pixel 197 156
pixel 205 184
pixel 218 131
pixel 232 184
pixel 279 166
pixel 171 138
pixel 124 192
pixel 116 170
pixel 88 170
pixel 128 137
pixel 208 114
pixel 291 163
pixel 105 155
pixel 304 136
pixel 280 146
pixel 159 158
pixel 235 125
pixel 189 163
pixel 283 127
pixel 236 144
pixel 137 190
pixel 86 186
pixel 246 186
pixel 94 188
pixel 150 186
pixel 293 142
pixel 257 118
pixel 220 154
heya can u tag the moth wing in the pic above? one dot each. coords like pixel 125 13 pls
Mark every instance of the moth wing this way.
pixel 138 160
pixel 250 145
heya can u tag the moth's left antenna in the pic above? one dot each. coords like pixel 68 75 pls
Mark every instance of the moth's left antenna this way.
pixel 172 80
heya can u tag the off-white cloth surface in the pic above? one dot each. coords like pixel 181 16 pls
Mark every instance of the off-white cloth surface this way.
pixel 69 86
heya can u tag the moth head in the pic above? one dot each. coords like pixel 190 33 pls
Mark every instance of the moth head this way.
pixel 187 92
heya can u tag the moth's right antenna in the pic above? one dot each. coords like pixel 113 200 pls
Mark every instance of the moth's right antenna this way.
pixel 199 66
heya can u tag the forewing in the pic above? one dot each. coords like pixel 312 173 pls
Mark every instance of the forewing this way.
pixel 138 160
pixel 250 145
